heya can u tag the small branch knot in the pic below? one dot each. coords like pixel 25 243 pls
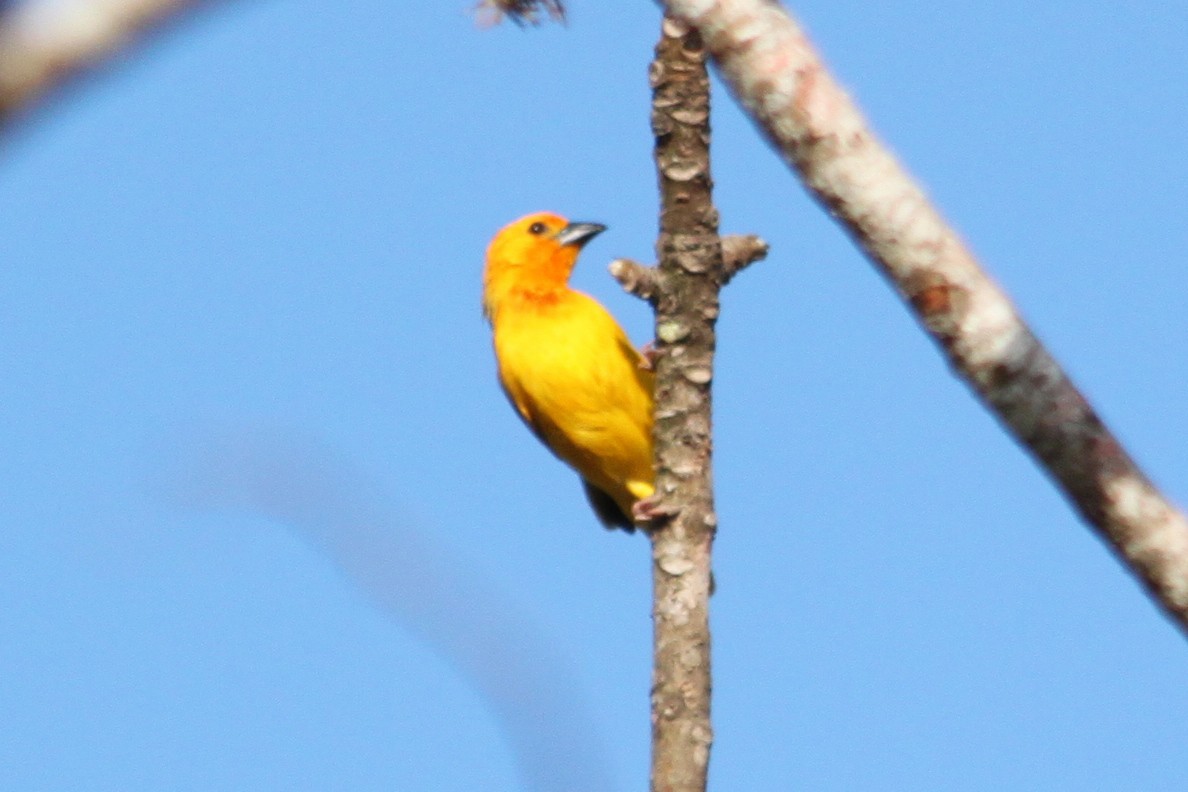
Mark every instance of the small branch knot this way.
pixel 739 252
pixel 635 278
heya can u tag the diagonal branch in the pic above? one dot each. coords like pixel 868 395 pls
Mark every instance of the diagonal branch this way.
pixel 780 80
pixel 44 48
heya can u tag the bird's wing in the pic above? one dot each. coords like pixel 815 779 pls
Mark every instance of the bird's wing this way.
pixel 522 407
pixel 605 508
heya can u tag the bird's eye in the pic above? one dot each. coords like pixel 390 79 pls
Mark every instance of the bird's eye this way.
pixel 536 228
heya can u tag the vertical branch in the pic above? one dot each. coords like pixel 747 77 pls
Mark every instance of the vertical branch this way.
pixel 694 265
pixel 690 262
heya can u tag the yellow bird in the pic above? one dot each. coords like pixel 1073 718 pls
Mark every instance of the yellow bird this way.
pixel 566 365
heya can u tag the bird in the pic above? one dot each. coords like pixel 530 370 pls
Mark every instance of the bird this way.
pixel 567 367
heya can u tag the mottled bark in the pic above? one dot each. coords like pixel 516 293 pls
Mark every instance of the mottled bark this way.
pixel 778 77
pixel 738 252
pixel 689 254
pixel 684 291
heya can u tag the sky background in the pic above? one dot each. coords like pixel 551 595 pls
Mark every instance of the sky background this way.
pixel 267 522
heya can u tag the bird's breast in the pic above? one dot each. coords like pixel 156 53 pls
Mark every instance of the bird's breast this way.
pixel 566 350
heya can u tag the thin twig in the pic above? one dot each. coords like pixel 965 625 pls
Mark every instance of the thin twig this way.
pixel 739 252
pixel 635 278
pixel 781 81
pixel 522 12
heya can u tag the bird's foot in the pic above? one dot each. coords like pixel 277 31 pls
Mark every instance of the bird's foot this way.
pixel 650 356
pixel 650 512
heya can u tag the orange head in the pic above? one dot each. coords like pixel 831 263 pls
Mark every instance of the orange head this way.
pixel 533 254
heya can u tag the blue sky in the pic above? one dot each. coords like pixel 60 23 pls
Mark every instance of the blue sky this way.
pixel 266 521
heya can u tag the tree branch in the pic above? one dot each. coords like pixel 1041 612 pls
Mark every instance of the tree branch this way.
pixel 684 291
pixel 522 12
pixel 42 49
pixel 738 253
pixel 780 80
pixel 635 278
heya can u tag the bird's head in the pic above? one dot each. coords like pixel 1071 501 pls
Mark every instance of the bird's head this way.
pixel 536 252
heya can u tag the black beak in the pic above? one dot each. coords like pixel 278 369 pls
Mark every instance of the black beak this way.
pixel 578 234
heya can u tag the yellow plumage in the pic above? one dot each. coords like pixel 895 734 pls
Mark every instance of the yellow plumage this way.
pixel 567 366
